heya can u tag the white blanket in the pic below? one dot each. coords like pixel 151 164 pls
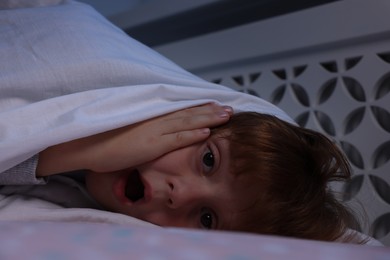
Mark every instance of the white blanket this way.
pixel 66 72
pixel 20 208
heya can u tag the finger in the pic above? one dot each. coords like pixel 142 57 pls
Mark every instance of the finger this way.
pixel 194 122
pixel 173 141
pixel 197 117
pixel 208 108
pixel 199 110
pixel 205 109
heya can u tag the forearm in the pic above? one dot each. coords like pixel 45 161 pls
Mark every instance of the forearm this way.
pixel 64 157
pixel 81 154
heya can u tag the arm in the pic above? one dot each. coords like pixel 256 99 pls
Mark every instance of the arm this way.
pixel 22 174
pixel 135 144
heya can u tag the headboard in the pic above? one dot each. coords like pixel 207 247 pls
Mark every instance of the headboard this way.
pixel 328 67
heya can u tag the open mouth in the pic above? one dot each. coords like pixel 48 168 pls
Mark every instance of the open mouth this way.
pixel 134 189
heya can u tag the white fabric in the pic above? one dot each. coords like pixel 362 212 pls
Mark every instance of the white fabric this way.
pixel 66 72
pixel 21 208
pixel 358 237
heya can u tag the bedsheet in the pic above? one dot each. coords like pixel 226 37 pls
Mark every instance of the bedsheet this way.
pixel 106 241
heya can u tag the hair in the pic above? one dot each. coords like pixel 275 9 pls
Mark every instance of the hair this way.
pixel 290 168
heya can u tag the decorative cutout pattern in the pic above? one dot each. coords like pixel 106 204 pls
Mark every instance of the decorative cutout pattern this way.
pixel 345 95
pixel 244 83
pixel 353 187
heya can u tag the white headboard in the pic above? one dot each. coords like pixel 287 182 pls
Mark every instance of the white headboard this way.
pixel 329 68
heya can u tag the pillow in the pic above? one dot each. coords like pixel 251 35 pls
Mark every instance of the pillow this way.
pixel 66 72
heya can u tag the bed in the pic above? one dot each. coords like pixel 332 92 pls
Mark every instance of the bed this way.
pixel 83 67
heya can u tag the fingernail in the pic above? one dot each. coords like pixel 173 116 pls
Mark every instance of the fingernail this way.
pixel 205 131
pixel 223 114
pixel 228 109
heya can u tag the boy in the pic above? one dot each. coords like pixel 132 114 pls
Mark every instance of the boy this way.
pixel 254 173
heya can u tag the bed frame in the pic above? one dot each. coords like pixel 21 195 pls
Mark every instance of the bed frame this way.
pixel 329 68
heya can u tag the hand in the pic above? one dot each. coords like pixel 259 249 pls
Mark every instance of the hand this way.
pixel 135 144
pixel 148 140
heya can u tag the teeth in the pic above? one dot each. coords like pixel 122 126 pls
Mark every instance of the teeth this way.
pixel 134 187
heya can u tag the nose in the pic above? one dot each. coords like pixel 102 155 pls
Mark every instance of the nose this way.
pixel 184 194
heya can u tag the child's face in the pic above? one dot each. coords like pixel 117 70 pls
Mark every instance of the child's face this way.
pixel 190 187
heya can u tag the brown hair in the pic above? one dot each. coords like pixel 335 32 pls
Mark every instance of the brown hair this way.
pixel 291 168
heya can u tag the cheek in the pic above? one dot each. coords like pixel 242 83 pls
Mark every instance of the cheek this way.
pixel 94 181
pixel 99 186
pixel 168 220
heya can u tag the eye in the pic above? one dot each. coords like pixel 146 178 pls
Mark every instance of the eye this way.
pixel 208 160
pixel 207 219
